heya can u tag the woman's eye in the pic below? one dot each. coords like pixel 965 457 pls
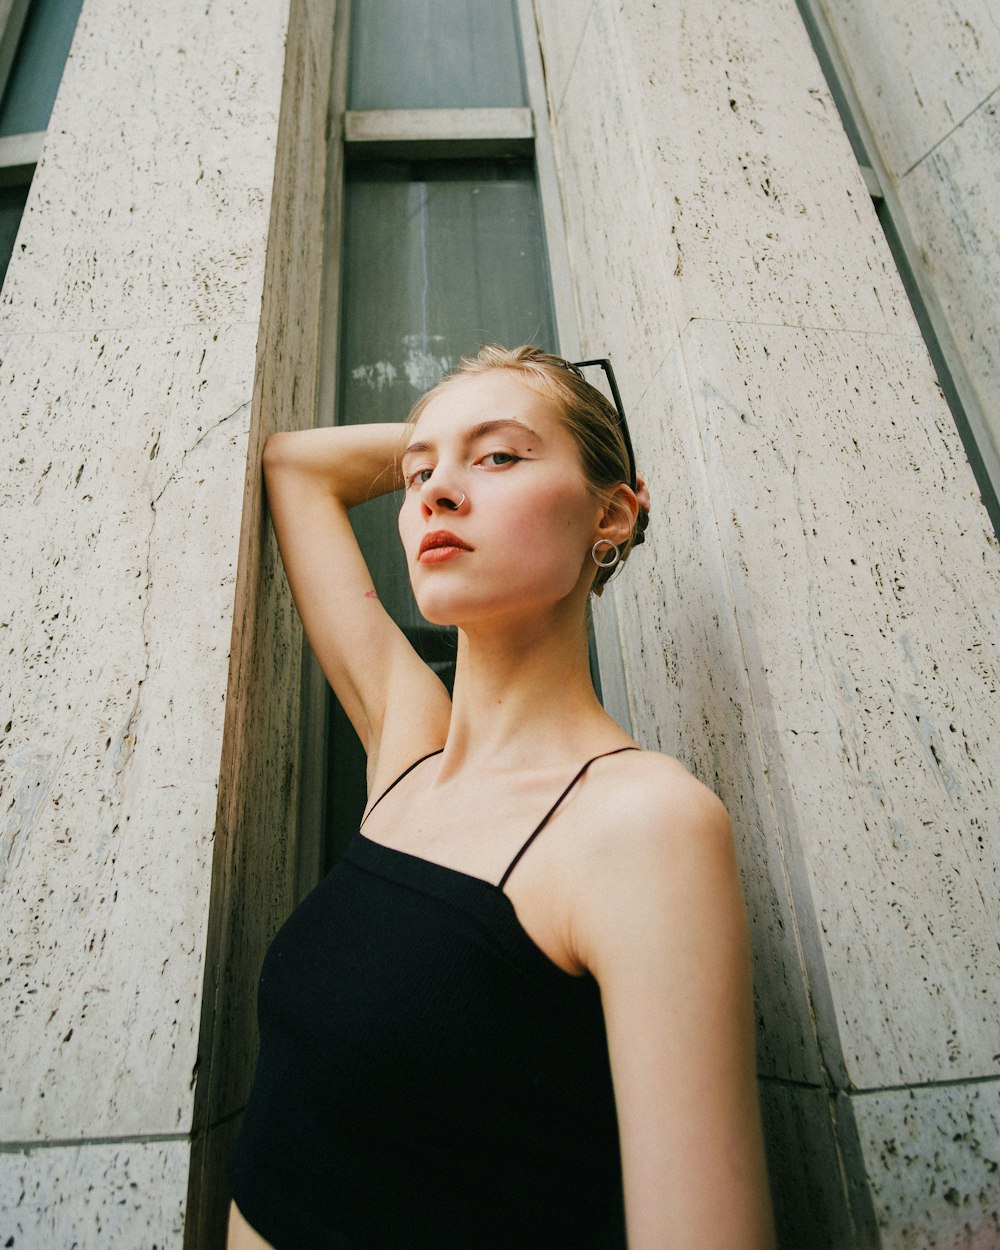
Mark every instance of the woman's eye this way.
pixel 497 459
pixel 418 477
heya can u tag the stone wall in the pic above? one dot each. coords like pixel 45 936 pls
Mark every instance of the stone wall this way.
pixel 812 625
pixel 927 79
pixel 133 602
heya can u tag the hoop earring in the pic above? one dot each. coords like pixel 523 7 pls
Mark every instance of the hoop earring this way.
pixel 612 551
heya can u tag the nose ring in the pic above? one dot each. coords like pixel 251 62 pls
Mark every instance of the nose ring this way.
pixel 450 503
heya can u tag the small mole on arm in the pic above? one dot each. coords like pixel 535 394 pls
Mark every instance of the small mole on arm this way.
pixel 371 594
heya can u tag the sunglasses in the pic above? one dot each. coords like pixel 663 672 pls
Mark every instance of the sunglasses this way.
pixel 609 373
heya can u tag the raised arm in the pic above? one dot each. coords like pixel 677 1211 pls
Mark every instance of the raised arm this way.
pixel 394 701
pixel 666 938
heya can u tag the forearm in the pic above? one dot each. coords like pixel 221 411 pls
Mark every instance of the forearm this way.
pixel 348 463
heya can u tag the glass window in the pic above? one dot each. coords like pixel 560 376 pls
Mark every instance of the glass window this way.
pixel 38 66
pixel 435 54
pixel 439 258
pixel 12 201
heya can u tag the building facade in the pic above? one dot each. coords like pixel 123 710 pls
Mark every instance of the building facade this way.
pixel 813 624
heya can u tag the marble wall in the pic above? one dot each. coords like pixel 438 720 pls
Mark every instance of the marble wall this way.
pixel 927 77
pixel 812 625
pixel 137 388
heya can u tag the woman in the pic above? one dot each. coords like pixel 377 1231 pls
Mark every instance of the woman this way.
pixel 524 992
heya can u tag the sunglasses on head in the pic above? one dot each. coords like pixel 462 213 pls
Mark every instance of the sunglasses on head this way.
pixel 609 373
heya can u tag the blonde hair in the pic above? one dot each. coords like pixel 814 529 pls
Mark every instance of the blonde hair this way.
pixel 587 415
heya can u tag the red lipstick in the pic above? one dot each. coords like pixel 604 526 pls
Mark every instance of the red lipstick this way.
pixel 440 545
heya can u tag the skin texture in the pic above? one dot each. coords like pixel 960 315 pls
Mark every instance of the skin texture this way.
pixel 634 879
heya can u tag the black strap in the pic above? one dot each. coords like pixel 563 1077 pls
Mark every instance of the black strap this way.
pixel 548 815
pixel 403 774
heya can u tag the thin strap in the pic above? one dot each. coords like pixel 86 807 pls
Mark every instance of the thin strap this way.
pixel 398 780
pixel 548 815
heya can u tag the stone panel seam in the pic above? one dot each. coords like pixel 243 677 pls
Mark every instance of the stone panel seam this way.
pixel 215 325
pixel 141 1139
pixel 76 1143
pixel 945 137
pixel 853 1091
pixel 857 332
pixel 557 104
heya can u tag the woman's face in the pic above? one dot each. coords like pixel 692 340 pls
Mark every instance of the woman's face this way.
pixel 497 518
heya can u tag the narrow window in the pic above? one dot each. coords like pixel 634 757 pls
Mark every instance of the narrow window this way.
pixel 442 249
pixel 34 42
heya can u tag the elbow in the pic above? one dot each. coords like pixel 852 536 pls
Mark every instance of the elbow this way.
pixel 276 449
pixel 283 455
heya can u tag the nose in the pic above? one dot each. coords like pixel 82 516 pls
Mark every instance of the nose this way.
pixel 437 493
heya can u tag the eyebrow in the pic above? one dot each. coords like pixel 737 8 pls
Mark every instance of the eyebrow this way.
pixel 477 432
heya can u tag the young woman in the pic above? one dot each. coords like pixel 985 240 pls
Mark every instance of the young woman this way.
pixel 517 1013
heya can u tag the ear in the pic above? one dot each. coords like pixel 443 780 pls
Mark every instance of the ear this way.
pixel 617 518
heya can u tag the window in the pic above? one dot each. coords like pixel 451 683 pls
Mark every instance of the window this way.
pixel 439 242
pixel 35 36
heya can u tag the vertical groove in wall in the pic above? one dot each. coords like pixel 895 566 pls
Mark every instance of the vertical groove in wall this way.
pixel 254 866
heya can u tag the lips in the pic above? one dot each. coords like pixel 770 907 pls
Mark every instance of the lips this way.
pixel 440 545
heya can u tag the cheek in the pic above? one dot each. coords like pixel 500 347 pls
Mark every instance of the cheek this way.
pixel 406 520
pixel 556 526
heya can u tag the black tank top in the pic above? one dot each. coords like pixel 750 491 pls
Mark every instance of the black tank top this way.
pixel 428 1078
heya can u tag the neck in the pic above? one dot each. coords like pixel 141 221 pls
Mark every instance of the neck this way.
pixel 523 694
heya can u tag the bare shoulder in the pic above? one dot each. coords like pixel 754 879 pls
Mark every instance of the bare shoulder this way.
pixel 658 862
pixel 653 804
pixel 662 927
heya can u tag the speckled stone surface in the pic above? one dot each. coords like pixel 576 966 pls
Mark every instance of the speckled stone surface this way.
pixel 932 1158
pixel 919 67
pixel 687 680
pixel 115 1196
pixel 812 625
pixel 151 202
pixel 124 472
pixel 129 339
pixel 752 177
pixel 927 81
pixel 874 675
pixel 950 201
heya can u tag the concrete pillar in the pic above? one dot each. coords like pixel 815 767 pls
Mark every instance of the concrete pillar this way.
pixel 812 625
pixel 927 80
pixel 147 638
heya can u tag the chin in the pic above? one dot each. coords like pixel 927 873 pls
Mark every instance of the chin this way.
pixel 439 617
pixel 508 594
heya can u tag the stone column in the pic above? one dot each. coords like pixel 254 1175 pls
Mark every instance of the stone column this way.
pixel 812 625
pixel 147 637
pixel 926 78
